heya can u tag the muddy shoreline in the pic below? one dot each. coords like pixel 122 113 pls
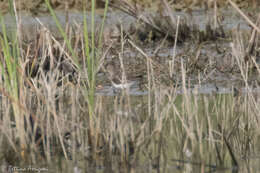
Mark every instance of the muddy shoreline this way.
pixel 205 52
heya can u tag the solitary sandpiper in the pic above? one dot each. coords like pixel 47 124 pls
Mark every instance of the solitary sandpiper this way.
pixel 118 80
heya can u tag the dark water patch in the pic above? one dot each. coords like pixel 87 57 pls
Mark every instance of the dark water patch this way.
pixel 30 25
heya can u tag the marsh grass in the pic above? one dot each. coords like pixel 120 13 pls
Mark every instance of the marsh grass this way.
pixel 11 80
pixel 188 131
pixel 89 68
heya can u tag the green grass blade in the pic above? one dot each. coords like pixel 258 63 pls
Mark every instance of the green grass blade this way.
pixel 63 34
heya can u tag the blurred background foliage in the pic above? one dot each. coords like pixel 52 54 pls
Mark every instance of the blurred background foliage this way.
pixel 38 6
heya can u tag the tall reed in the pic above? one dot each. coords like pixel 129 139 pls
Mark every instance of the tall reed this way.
pixel 91 60
pixel 12 79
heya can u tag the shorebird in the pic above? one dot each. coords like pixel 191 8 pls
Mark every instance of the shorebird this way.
pixel 118 80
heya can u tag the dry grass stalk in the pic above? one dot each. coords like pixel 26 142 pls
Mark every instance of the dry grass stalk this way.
pixel 244 16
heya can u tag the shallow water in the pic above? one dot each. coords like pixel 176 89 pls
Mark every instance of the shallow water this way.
pixel 177 160
pixel 29 24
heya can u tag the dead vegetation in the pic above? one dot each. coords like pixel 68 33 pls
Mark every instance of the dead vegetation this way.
pixel 131 131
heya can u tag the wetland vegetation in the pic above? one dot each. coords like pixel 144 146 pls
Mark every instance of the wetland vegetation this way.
pixel 192 106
